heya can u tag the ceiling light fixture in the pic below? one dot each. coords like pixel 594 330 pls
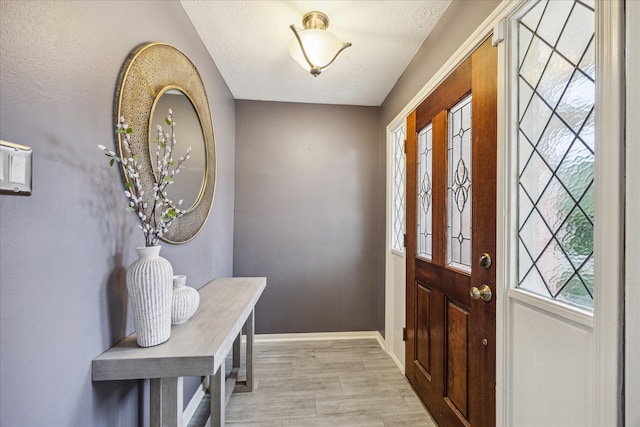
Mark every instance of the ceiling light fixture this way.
pixel 314 45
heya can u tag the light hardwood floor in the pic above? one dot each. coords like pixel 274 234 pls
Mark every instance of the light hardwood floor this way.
pixel 341 383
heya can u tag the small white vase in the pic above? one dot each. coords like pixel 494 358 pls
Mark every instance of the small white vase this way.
pixel 185 300
pixel 149 282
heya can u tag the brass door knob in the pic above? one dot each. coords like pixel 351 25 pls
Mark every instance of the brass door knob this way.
pixel 483 293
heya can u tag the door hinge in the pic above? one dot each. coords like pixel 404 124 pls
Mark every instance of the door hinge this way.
pixel 404 146
pixel 404 334
pixel 404 240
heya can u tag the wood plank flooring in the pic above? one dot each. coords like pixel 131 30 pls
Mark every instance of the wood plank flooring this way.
pixel 345 383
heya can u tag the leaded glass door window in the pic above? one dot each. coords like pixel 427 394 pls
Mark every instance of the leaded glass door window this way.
pixel 425 193
pixel 556 150
pixel 397 220
pixel 459 186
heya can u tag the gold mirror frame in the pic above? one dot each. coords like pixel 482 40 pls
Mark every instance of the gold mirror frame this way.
pixel 146 74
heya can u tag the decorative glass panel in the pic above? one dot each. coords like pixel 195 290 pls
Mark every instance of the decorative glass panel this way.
pixel 459 186
pixel 425 193
pixel 556 150
pixel 397 238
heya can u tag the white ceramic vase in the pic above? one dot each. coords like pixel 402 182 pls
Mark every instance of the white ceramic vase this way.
pixel 149 282
pixel 185 300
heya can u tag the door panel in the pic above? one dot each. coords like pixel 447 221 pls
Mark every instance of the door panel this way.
pixel 423 348
pixel 457 344
pixel 450 350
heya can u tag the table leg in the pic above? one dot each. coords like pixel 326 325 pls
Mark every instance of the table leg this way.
pixel 236 351
pixel 218 401
pixel 155 402
pixel 247 385
pixel 249 356
pixel 165 406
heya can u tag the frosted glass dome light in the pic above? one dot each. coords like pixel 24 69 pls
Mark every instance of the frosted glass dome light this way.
pixel 313 47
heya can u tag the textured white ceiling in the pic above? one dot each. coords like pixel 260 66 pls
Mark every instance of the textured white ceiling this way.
pixel 248 40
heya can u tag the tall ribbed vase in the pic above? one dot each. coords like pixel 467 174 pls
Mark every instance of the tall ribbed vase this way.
pixel 150 285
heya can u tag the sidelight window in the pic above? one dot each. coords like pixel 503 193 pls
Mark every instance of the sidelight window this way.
pixel 556 150
pixel 397 232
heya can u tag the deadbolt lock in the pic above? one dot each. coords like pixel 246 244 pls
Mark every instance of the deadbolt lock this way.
pixel 483 293
pixel 485 260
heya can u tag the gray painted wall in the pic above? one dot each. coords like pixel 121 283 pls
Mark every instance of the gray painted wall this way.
pixel 307 216
pixel 297 218
pixel 64 249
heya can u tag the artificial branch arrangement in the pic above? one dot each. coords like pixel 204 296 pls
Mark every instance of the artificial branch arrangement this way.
pixel 155 219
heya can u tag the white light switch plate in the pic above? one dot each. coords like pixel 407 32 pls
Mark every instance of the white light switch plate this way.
pixel 15 168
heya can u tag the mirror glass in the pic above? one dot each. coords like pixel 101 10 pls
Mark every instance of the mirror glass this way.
pixel 189 182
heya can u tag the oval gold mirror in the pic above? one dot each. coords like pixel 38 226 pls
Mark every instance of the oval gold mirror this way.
pixel 158 77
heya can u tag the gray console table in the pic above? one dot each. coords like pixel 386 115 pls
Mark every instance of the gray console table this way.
pixel 197 348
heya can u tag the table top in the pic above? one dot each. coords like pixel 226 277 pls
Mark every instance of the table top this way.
pixel 195 348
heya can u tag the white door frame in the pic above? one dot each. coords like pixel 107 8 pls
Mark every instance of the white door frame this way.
pixel 609 211
pixel 394 264
pixel 632 242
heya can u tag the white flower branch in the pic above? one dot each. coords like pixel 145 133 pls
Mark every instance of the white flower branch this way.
pixel 155 219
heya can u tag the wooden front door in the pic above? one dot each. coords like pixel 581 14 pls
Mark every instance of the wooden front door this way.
pixel 451 214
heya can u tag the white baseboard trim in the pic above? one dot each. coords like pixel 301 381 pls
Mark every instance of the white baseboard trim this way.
pixel 319 336
pixel 381 341
pixel 397 362
pixel 191 408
